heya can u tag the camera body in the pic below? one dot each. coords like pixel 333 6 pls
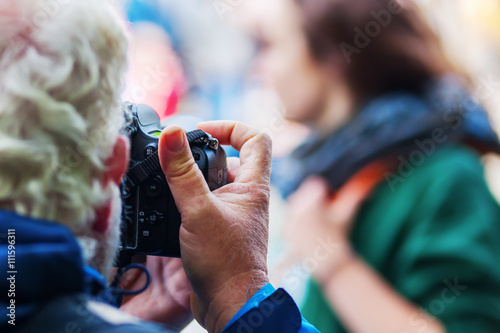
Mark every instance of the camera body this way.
pixel 150 219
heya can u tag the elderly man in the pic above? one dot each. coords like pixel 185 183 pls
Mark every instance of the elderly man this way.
pixel 62 160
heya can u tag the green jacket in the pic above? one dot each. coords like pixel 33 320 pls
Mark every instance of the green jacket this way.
pixel 435 237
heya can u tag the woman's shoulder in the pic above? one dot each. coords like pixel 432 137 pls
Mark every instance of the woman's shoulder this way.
pixel 450 179
pixel 430 169
pixel 445 198
pixel 447 188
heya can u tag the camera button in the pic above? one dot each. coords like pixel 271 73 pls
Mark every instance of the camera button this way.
pixel 154 187
pixel 220 176
pixel 155 216
pixel 145 233
pixel 150 149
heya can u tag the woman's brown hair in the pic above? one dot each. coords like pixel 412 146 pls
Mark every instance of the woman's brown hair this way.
pixel 383 45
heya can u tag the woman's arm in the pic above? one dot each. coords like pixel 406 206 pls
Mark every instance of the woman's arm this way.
pixel 365 303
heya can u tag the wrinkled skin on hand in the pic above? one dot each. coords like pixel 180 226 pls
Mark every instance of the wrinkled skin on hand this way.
pixel 224 234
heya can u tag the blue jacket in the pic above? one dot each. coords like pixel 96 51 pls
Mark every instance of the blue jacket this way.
pixel 46 287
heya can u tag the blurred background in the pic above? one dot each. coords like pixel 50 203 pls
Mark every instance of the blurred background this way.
pixel 194 60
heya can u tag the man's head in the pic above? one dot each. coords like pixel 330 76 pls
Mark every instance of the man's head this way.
pixel 61 156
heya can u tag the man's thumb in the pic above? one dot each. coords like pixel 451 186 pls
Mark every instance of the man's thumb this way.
pixel 183 175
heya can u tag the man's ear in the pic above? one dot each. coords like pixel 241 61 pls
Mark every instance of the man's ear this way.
pixel 116 166
pixel 117 163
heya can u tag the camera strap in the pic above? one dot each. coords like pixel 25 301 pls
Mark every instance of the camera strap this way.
pixel 145 169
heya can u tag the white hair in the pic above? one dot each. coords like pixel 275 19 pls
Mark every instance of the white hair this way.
pixel 62 64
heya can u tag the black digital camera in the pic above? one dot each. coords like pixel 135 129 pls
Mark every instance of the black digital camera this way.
pixel 150 219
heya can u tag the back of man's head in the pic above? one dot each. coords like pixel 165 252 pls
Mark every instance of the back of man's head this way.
pixel 61 68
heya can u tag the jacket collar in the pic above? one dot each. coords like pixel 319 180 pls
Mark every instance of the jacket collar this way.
pixel 46 263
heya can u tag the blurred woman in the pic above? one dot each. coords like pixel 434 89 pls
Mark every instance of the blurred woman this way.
pixel 397 225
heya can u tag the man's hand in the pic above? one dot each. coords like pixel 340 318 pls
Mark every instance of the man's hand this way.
pixel 166 301
pixel 224 233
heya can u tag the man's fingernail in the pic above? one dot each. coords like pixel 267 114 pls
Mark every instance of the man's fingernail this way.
pixel 175 140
